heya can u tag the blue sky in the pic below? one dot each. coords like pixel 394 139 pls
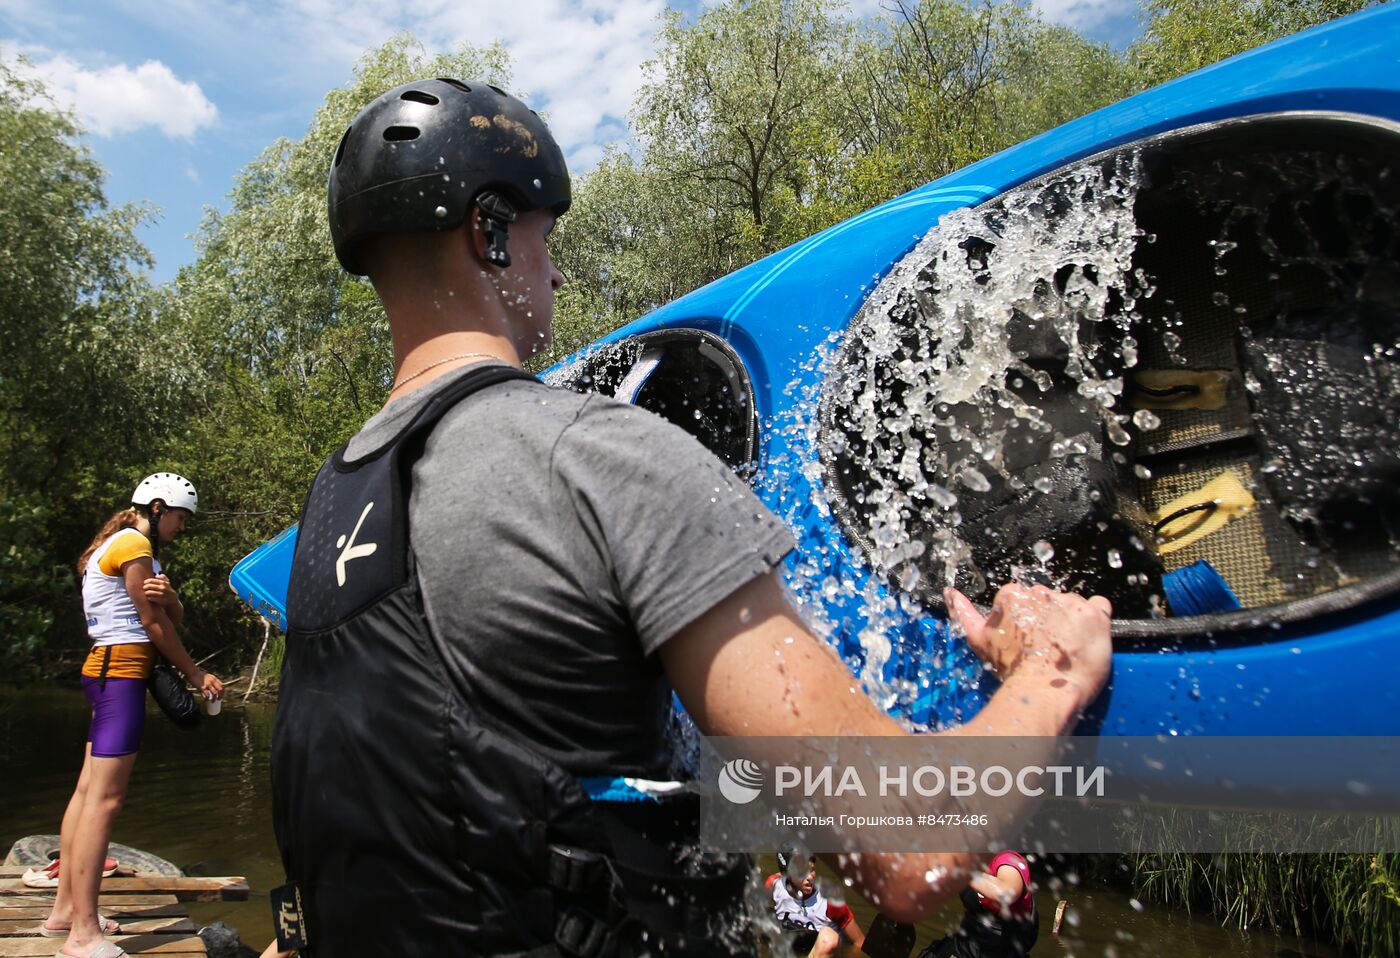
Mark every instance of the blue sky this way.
pixel 177 96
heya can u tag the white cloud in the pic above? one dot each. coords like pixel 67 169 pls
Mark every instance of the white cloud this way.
pixel 586 69
pixel 579 62
pixel 1085 14
pixel 585 157
pixel 118 99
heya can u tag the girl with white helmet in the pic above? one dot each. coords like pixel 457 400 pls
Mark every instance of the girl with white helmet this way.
pixel 132 612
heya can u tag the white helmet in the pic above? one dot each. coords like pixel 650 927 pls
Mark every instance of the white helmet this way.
pixel 175 491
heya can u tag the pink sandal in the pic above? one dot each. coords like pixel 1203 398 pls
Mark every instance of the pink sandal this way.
pixel 47 877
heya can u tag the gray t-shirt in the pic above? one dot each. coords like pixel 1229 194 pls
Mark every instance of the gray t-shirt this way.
pixel 561 539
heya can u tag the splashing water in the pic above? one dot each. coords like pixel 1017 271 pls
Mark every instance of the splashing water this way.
pixel 990 310
pixel 968 318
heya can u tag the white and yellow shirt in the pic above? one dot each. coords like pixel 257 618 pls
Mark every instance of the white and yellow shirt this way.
pixel 112 619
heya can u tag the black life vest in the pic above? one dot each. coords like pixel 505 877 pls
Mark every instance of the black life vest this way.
pixel 406 823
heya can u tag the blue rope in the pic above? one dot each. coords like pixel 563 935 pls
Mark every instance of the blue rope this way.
pixel 603 789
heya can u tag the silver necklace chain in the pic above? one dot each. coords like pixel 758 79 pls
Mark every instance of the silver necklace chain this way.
pixel 441 362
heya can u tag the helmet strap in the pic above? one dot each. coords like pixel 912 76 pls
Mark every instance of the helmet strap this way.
pixel 496 216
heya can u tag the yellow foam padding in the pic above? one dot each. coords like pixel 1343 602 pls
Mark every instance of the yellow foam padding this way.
pixel 1210 388
pixel 1232 499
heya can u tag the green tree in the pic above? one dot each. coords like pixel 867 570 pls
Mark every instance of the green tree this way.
pixel 936 85
pixel 89 380
pixel 764 121
pixel 725 116
pixel 629 244
pixel 1185 35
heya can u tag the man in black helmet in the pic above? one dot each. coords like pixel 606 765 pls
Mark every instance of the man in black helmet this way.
pixel 497 585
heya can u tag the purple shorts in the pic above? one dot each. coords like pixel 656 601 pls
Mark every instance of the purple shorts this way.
pixel 118 715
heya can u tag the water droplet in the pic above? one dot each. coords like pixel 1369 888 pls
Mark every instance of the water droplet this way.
pixel 1044 551
pixel 974 480
pixel 1115 559
pixel 1146 419
pixel 1116 432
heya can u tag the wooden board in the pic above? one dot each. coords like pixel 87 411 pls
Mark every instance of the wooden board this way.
pixel 185 889
pixel 154 922
pixel 123 901
pixel 17 871
pixel 39 912
pixel 28 927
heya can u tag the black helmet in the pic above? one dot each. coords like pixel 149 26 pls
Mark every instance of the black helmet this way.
pixel 416 159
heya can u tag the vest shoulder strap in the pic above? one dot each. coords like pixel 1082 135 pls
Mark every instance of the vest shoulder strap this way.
pixel 352 547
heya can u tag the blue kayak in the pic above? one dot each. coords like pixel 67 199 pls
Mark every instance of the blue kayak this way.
pixel 1153 353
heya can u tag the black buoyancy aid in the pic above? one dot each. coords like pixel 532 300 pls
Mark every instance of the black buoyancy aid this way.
pixel 406 823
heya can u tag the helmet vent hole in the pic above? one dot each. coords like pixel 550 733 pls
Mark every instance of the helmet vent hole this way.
pixel 498 89
pixel 418 96
pixel 456 83
pixel 397 134
pixel 340 150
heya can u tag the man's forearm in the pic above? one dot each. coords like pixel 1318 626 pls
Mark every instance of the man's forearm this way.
pixel 1037 703
pixel 1035 707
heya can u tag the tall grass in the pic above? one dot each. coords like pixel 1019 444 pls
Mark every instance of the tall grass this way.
pixel 269 663
pixel 1350 899
pixel 272 658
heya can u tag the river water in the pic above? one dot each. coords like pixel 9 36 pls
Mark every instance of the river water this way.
pixel 201 800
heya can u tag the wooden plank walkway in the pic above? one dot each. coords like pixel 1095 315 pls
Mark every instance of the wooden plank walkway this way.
pixel 151 910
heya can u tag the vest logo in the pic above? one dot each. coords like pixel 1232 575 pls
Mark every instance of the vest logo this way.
pixel 350 551
pixel 741 781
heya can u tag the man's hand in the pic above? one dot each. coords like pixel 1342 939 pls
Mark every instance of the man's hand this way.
pixel 1057 637
pixel 160 592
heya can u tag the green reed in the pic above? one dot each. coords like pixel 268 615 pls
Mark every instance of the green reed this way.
pixel 1350 899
